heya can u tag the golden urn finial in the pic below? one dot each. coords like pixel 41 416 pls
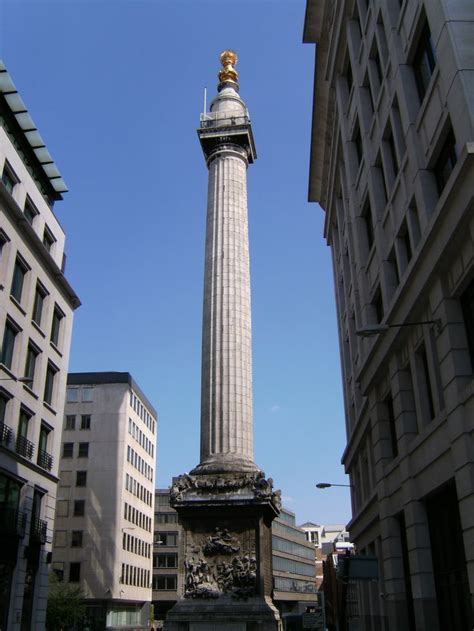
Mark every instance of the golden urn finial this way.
pixel 228 72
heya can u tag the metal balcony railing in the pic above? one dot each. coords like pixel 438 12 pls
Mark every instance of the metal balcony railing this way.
pixel 25 447
pixel 45 460
pixel 38 531
pixel 6 434
pixel 12 521
pixel 222 119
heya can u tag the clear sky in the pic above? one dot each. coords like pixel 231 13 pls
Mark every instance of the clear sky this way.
pixel 116 89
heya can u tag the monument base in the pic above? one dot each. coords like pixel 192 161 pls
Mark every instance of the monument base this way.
pixel 227 551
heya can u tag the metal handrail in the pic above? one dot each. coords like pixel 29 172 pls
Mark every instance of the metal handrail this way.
pixel 6 434
pixel 45 460
pixel 38 530
pixel 25 447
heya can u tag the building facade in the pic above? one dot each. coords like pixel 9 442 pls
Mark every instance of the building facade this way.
pixel 36 313
pixel 327 539
pixel 103 538
pixel 392 167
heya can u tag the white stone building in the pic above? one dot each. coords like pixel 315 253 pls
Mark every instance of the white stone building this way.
pixel 36 308
pixel 103 538
pixel 392 165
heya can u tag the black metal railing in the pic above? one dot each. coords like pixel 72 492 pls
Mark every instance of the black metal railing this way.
pixel 12 521
pixel 38 531
pixel 6 434
pixel 45 460
pixel 25 447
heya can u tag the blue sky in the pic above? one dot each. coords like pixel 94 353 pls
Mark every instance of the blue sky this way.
pixel 116 89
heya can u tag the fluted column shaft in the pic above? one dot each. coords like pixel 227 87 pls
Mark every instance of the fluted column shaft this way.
pixel 226 395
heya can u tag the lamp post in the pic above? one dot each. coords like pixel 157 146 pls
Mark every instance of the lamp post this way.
pixel 376 329
pixel 327 485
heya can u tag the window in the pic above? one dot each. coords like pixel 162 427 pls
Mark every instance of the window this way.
pixel 166 538
pixel 424 383
pixel 368 221
pixel 76 539
pixel 85 421
pixel 30 211
pixel 72 395
pixel 393 152
pixel 81 478
pixel 58 315
pixel 70 421
pixel 446 161
pixel 23 446
pixel 9 178
pixel 3 241
pixel 48 239
pixel 45 460
pixel 68 449
pixel 424 61
pixel 40 295
pixel 74 572
pixel 162 499
pixel 467 305
pixel 30 365
pixel 49 383
pixel 377 304
pixel 391 422
pixel 83 450
pixel 165 560
pixel 8 345
pixel 19 272
pixel 87 394
pixel 357 140
pixel 166 518
pixel 167 583
pixel 79 508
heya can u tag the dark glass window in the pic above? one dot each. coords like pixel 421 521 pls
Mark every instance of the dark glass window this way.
pixel 467 304
pixel 76 539
pixel 446 161
pixel 79 508
pixel 165 560
pixel 49 383
pixel 58 315
pixel 68 449
pixel 391 422
pixel 369 224
pixel 48 239
pixel 85 421
pixel 424 61
pixel 30 365
pixel 81 478
pixel 40 295
pixel 358 143
pixel 83 450
pixel 9 179
pixel 74 572
pixel 424 383
pixel 8 345
pixel 19 272
pixel 377 303
pixel 165 582
pixel 70 421
pixel 30 211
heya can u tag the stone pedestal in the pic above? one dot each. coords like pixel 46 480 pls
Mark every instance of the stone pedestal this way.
pixel 227 553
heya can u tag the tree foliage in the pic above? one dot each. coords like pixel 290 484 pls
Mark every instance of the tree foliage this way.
pixel 65 605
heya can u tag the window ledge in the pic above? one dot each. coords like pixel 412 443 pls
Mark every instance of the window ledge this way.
pixel 30 391
pixel 38 328
pixel 8 371
pixel 17 304
pixel 426 98
pixel 49 407
pixel 53 346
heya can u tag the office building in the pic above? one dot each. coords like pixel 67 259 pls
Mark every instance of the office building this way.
pixel 36 313
pixel 391 165
pixel 103 537
pixel 327 539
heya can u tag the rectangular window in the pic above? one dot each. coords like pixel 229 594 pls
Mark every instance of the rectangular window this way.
pixel 83 450
pixel 72 395
pixel 40 295
pixel 424 61
pixel 446 161
pixel 9 178
pixel 48 239
pixel 424 383
pixel 70 421
pixel 87 394
pixel 45 460
pixel 166 538
pixel 165 583
pixel 19 272
pixel 51 372
pixel 467 305
pixel 357 140
pixel 391 422
pixel 81 478
pixel 76 539
pixel 30 365
pixel 23 446
pixel 377 304
pixel 74 572
pixel 369 224
pixel 30 211
pixel 58 315
pixel 68 449
pixel 79 508
pixel 85 421
pixel 8 345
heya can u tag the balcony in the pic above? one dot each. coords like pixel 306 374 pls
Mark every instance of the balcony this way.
pixel 223 119
pixel 6 434
pixel 45 460
pixel 38 531
pixel 24 447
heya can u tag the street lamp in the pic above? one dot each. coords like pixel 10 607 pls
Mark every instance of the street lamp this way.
pixel 327 485
pixel 375 329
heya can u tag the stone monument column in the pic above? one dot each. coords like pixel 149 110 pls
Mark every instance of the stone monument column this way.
pixel 226 504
